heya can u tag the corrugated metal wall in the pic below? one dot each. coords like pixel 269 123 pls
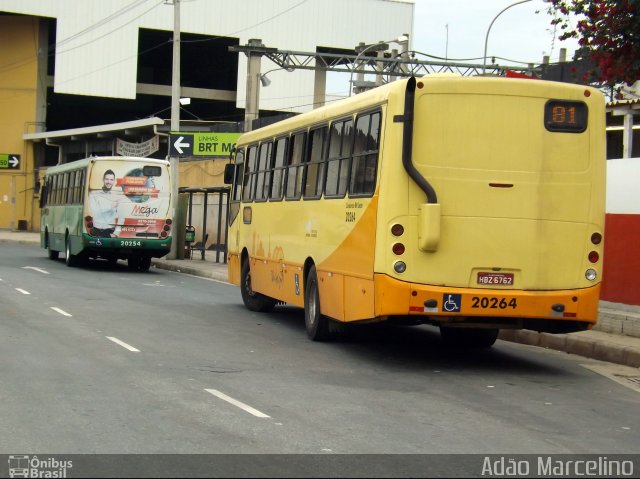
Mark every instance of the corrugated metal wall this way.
pixel 98 40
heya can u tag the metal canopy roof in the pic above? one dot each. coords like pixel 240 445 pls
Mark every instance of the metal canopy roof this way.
pixel 106 130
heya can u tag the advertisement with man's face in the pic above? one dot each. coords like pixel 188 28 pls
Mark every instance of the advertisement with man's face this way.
pixel 127 200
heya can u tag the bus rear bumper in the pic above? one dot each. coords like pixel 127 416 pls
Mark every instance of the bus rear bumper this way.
pixel 552 311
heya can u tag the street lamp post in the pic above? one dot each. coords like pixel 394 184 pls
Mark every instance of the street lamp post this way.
pixel 175 117
pixel 486 39
pixel 402 39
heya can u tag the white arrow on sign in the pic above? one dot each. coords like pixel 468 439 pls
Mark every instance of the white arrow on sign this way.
pixel 178 144
pixel 14 161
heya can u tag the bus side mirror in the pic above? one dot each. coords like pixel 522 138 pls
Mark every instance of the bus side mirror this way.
pixel 229 169
pixel 429 227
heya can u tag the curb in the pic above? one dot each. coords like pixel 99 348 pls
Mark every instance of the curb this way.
pixel 186 269
pixel 572 344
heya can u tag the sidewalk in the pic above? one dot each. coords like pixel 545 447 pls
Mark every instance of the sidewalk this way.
pixel 615 339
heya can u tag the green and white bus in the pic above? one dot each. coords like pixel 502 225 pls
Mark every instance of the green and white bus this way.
pixel 107 207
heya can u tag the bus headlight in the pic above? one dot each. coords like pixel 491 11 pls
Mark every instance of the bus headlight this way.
pixel 591 274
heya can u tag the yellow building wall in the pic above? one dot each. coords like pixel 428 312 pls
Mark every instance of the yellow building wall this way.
pixel 18 58
pixel 201 173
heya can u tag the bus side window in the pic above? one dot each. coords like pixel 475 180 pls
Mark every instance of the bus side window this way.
pixel 83 182
pixel 315 166
pixel 250 174
pixel 263 178
pixel 295 155
pixel 43 193
pixel 277 182
pixel 365 155
pixel 234 203
pixel 237 187
pixel 70 188
pixel 54 190
pixel 339 157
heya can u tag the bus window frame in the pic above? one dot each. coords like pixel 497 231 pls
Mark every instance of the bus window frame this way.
pixel 282 168
pixel 249 175
pixel 342 157
pixel 263 171
pixel 321 169
pixel 299 166
pixel 366 153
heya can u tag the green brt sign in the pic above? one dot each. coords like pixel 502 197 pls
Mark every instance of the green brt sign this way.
pixel 202 144
pixel 9 161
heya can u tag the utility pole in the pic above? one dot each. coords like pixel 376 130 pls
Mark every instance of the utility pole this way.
pixel 253 84
pixel 175 118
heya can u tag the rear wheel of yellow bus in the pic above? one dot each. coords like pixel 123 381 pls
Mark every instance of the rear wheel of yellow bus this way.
pixel 316 323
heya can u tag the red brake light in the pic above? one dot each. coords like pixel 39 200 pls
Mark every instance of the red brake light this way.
pixel 594 256
pixel 398 249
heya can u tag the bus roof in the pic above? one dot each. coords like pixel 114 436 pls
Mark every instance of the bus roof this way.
pixel 72 165
pixel 382 94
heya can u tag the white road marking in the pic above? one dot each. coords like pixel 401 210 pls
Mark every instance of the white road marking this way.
pixel 237 403
pixel 123 344
pixel 58 310
pixel 36 269
pixel 20 290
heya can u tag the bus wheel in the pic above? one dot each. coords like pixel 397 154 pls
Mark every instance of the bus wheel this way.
pixel 252 300
pixel 53 254
pixel 144 263
pixel 469 338
pixel 317 324
pixel 70 260
pixel 133 263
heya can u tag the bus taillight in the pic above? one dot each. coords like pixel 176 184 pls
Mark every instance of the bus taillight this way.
pixel 168 221
pixel 163 234
pixel 397 230
pixel 596 238
pixel 398 249
pixel 594 257
pixel 166 227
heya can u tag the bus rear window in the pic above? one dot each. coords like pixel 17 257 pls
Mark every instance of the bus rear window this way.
pixel 152 171
pixel 565 116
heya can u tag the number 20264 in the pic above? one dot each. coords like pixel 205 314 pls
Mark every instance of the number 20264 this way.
pixel 493 303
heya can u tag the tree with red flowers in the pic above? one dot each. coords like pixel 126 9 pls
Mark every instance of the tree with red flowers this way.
pixel 608 32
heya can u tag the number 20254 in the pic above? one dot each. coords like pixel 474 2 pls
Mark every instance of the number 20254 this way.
pixel 493 303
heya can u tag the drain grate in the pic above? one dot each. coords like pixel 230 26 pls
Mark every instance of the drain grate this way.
pixel 633 379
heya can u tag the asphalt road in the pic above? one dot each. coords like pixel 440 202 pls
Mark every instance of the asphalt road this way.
pixel 98 359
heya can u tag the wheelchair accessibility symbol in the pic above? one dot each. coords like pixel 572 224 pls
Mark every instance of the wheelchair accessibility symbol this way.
pixel 451 303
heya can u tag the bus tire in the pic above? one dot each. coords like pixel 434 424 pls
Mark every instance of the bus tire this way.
pixel 252 300
pixel 144 263
pixel 469 338
pixel 52 253
pixel 133 263
pixel 317 324
pixel 70 260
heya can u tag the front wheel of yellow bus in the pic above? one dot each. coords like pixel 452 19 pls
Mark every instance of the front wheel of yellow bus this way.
pixel 252 300
pixel 317 324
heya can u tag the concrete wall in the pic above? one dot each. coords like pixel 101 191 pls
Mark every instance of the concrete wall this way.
pixel 621 275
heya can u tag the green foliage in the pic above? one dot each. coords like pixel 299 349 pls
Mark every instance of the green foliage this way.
pixel 608 32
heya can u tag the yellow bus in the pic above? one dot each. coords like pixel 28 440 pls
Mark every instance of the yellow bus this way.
pixel 472 204
pixel 107 207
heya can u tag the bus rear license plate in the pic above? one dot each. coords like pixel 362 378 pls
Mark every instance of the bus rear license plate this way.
pixel 503 279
